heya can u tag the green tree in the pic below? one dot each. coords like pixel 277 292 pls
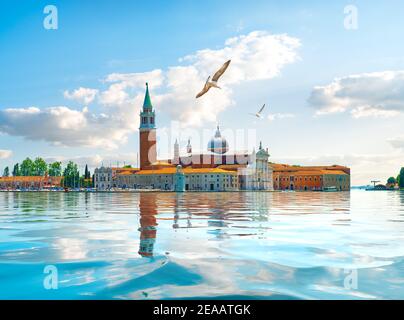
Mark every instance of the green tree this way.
pixel 39 167
pixel 55 169
pixel 6 172
pixel 27 167
pixel 87 174
pixel 401 180
pixel 71 175
pixel 128 166
pixel 391 180
pixel 16 170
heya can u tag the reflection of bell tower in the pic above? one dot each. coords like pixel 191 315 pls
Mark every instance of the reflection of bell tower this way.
pixel 148 223
pixel 147 133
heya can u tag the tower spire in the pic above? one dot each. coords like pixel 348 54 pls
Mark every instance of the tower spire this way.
pixel 147 101
pixel 147 133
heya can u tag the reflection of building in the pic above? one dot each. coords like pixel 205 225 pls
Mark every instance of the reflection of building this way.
pixel 148 223
pixel 214 170
pixel 311 178
pixel 28 182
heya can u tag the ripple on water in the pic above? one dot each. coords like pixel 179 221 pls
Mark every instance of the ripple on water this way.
pixel 198 245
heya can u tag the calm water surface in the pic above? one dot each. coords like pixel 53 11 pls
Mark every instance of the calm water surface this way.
pixel 197 245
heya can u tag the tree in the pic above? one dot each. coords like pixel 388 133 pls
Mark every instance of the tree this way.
pixel 6 172
pixel 16 170
pixel 39 167
pixel 87 174
pixel 27 167
pixel 391 180
pixel 55 169
pixel 401 180
pixel 71 175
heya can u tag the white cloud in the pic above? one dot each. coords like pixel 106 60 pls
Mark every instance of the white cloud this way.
pixel 256 56
pixel 377 94
pixel 4 154
pixel 275 116
pixel 397 142
pixel 64 126
pixel 81 95
pixel 123 84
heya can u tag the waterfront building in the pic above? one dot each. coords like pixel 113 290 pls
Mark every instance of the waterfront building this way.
pixel 103 178
pixel 199 179
pixel 311 178
pixel 30 182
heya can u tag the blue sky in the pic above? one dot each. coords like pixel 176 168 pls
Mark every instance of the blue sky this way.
pixel 96 39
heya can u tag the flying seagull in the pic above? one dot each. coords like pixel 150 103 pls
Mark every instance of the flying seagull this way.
pixel 209 84
pixel 258 114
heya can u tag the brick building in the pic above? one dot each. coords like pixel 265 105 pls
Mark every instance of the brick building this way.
pixel 30 182
pixel 311 178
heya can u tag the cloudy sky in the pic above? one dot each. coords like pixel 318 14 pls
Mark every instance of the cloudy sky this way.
pixel 335 95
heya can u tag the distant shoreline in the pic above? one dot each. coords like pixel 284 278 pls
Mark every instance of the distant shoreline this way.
pixel 132 191
pixel 171 191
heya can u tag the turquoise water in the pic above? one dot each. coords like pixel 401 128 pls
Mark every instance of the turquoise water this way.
pixel 198 245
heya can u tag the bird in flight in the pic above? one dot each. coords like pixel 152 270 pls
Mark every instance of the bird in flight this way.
pixel 209 84
pixel 259 113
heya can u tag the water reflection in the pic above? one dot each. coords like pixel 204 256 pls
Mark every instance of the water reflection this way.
pixel 223 212
pixel 148 223
pixel 261 244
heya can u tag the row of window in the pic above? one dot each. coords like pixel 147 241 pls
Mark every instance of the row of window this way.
pixel 144 120
pixel 297 179
pixel 292 178
pixel 103 178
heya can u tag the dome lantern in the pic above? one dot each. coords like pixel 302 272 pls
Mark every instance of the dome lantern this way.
pixel 218 144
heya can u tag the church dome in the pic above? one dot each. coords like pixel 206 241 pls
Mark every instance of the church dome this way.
pixel 218 144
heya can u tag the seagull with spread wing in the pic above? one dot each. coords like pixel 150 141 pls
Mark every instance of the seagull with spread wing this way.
pixel 209 84
pixel 259 113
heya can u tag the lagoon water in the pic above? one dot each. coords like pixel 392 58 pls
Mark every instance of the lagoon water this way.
pixel 285 245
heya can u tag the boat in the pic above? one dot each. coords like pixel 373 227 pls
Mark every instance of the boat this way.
pixel 378 188
pixel 330 189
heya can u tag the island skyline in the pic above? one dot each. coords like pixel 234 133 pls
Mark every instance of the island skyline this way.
pixel 89 115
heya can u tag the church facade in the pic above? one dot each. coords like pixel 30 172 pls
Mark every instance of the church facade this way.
pixel 213 170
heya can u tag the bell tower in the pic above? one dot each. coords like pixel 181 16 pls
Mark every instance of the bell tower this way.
pixel 147 133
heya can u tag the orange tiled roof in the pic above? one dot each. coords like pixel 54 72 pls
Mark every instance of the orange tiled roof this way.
pixel 125 169
pixel 29 179
pixel 314 172
pixel 125 173
pixel 337 172
pixel 231 166
pixel 172 170
pixel 287 167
